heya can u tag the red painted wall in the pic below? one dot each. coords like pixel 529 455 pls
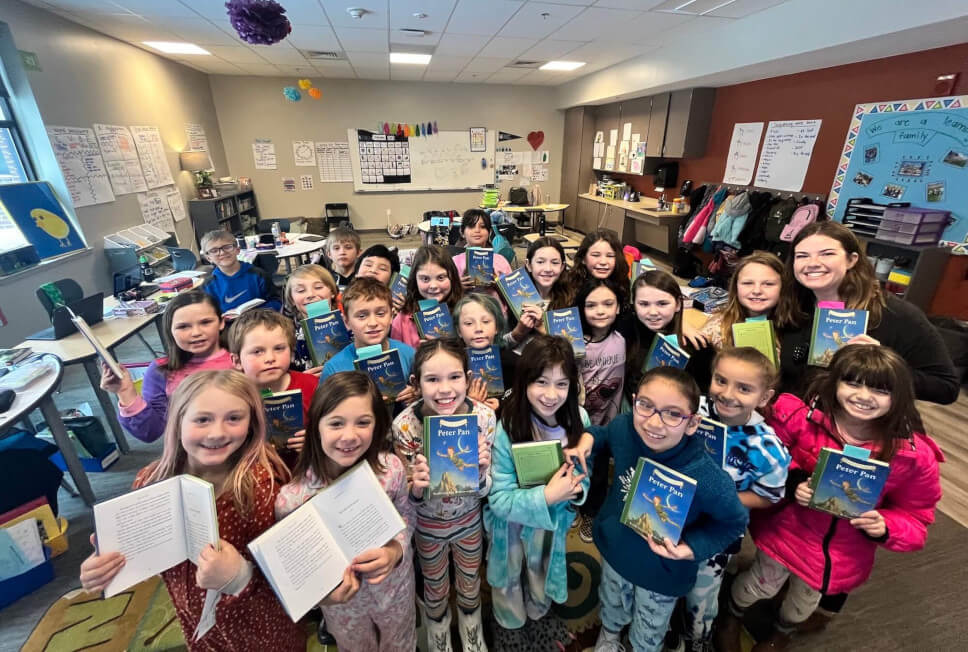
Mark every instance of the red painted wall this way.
pixel 829 94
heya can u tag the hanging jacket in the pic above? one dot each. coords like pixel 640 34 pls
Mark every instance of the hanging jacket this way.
pixel 698 224
pixel 730 221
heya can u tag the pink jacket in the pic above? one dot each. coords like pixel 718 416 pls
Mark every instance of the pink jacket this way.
pixel 826 552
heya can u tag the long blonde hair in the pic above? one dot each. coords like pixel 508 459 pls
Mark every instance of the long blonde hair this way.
pixel 785 313
pixel 254 453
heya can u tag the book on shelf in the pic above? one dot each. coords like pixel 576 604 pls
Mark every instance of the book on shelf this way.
pixel 450 446
pixel 435 323
pixel 156 527
pixel 759 334
pixel 480 265
pixel 386 370
pixel 832 328
pixel 658 501
pixel 664 353
pixel 566 323
pixel 535 462
pixel 713 435
pixel 518 290
pixel 846 486
pixel 304 555
pixel 326 335
pixel 486 365
pixel 284 416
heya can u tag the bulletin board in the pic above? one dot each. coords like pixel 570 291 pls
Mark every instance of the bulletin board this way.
pixel 912 151
pixel 441 161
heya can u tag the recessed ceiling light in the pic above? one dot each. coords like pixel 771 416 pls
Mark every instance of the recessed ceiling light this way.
pixel 409 57
pixel 173 47
pixel 562 65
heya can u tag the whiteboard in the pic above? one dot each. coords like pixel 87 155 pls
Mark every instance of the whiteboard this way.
pixel 443 161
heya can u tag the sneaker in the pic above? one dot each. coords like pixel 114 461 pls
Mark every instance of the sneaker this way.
pixel 323 635
pixel 608 641
pixel 585 529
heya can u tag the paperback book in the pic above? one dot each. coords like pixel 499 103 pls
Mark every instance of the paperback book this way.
pixel 518 289
pixel 658 501
pixel 536 461
pixel 480 265
pixel 710 299
pixel 760 335
pixel 664 353
pixel 326 336
pixel 846 486
pixel 566 323
pixel 398 286
pixel 713 435
pixel 832 328
pixel 435 323
pixel 486 365
pixel 450 446
pixel 284 416
pixel 386 370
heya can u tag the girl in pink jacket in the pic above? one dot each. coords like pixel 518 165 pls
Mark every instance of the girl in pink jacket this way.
pixel 866 400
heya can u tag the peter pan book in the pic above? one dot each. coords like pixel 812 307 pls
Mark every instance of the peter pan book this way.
pixel 518 289
pixel 305 554
pixel 486 365
pixel 450 446
pixel 398 284
pixel 435 323
pixel 480 265
pixel 566 323
pixel 326 335
pixel 642 266
pixel 536 461
pixel 386 370
pixel 713 435
pixel 846 486
pixel 759 334
pixel 658 501
pixel 664 353
pixel 832 327
pixel 284 416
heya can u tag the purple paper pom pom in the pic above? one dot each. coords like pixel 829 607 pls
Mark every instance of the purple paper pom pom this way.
pixel 260 22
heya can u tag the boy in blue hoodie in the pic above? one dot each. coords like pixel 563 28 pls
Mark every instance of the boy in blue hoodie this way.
pixel 641 579
pixel 234 282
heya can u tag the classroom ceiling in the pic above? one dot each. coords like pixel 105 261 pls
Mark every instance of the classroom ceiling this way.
pixel 476 41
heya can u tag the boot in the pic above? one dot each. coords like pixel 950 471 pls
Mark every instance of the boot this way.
pixel 471 632
pixel 550 633
pixel 778 640
pixel 511 640
pixel 438 634
pixel 817 622
pixel 727 633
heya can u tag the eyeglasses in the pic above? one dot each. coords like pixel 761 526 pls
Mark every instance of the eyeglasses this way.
pixel 218 251
pixel 669 416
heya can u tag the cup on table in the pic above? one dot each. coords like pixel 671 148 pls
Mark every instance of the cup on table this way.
pixel 251 241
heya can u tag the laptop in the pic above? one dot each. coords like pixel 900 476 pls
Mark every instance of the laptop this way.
pixel 90 308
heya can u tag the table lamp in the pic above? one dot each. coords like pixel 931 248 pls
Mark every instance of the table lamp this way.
pixel 200 165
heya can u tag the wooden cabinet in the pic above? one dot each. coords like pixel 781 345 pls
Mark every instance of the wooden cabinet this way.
pixel 236 212
pixel 589 214
pixel 658 115
pixel 576 166
pixel 687 125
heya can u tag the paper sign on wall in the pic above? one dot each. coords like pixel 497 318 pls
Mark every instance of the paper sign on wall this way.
pixel 264 153
pixel 787 148
pixel 304 151
pixel 120 158
pixel 742 152
pixel 306 181
pixel 333 159
pixel 155 209
pixel 80 160
pixel 197 140
pixel 154 161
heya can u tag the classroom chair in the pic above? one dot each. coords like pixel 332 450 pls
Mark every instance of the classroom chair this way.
pixel 182 259
pixel 265 226
pixel 268 262
pixel 337 214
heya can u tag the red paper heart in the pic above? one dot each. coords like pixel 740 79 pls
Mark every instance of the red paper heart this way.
pixel 536 138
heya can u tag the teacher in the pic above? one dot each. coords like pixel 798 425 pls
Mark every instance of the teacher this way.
pixel 827 262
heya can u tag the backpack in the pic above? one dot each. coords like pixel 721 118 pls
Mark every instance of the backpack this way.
pixel 779 216
pixel 803 216
pixel 518 196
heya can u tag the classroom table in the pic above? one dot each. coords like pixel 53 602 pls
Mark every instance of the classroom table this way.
pixel 38 395
pixel 564 241
pixel 533 211
pixel 296 248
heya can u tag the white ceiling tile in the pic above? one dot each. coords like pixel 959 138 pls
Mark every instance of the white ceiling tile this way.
pixel 693 7
pixel 155 8
pixel 368 59
pixel 461 44
pixel 468 77
pixel 743 8
pixel 280 53
pixel 593 23
pixel 400 72
pixel 650 26
pixel 507 75
pixel 235 54
pixel 313 37
pixel 482 17
pixel 373 73
pixel 438 13
pixel 101 6
pixel 641 5
pixel 199 31
pixel 549 49
pixel 529 21
pixel 582 3
pixel 486 64
pixel 440 75
pixel 375 18
pixel 211 10
pixel 334 69
pixel 261 69
pixel 304 70
pixel 134 33
pixel 448 62
pixel 214 66
pixel 398 38
pixel 363 40
pixel 504 47
pixel 307 12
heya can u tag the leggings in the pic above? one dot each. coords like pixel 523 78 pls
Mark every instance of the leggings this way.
pixel 461 537
pixel 765 579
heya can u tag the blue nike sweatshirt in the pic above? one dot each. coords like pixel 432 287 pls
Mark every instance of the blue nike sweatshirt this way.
pixel 246 284
pixel 716 517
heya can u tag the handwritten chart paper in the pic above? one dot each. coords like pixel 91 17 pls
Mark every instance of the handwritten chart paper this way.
pixel 264 153
pixel 304 151
pixel 80 160
pixel 742 152
pixel 787 148
pixel 121 158
pixel 154 161
pixel 177 205
pixel 333 160
pixel 155 209
pixel 197 140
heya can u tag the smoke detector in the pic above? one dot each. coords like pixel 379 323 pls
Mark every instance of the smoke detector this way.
pixel 356 12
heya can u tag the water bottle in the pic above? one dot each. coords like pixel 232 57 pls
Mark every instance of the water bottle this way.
pixel 276 234
pixel 147 273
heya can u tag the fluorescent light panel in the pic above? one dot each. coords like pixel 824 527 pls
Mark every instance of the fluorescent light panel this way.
pixel 410 57
pixel 562 65
pixel 172 47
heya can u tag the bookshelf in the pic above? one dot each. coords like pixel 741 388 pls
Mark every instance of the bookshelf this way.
pixel 236 212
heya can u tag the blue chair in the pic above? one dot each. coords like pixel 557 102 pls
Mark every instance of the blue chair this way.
pixel 182 259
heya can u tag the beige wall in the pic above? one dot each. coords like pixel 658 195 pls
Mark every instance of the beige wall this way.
pixel 87 77
pixel 254 107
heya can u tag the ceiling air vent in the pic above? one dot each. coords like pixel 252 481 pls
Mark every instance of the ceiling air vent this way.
pixel 524 63
pixel 322 55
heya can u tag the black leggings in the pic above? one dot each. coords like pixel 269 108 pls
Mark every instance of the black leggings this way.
pixel 833 602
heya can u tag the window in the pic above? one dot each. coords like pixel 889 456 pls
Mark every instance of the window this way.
pixel 14 164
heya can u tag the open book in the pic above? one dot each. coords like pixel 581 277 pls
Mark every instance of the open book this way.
pixel 304 555
pixel 156 527
pixel 102 352
pixel 242 307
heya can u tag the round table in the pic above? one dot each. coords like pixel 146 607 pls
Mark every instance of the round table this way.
pixel 297 247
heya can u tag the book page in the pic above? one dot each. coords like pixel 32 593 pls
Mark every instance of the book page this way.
pixel 146 527
pixel 198 513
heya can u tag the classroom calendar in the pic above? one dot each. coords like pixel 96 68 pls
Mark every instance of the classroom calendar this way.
pixel 384 158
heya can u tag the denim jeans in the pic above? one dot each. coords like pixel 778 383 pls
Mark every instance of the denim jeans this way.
pixel 622 603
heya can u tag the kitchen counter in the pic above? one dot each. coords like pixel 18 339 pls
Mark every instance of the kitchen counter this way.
pixel 639 223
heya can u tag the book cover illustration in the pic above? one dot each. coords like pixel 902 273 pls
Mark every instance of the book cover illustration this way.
pixel 398 286
pixel 518 289
pixel 386 370
pixel 658 501
pixel 284 416
pixel 435 323
pixel 480 265
pixel 832 328
pixel 326 336
pixel 664 353
pixel 709 299
pixel 450 446
pixel 641 267
pixel 759 334
pixel 713 435
pixel 566 323
pixel 535 462
pixel 846 486
pixel 486 365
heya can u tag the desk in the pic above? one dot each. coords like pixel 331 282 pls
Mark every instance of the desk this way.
pixel 565 242
pixel 38 395
pixel 534 210
pixel 297 247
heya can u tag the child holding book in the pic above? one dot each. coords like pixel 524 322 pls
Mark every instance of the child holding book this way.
pixel 342 248
pixel 307 284
pixel 864 399
pixel 448 525
pixel 545 263
pixel 527 526
pixel 216 432
pixel 641 580
pixel 373 608
pixel 192 327
pixel 600 256
pixel 432 276
pixel 475 228
pixel 603 367
pixel 480 323
pixel 234 282
pixel 743 383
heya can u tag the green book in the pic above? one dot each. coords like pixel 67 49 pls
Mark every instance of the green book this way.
pixel 658 501
pixel 536 461
pixel 758 334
